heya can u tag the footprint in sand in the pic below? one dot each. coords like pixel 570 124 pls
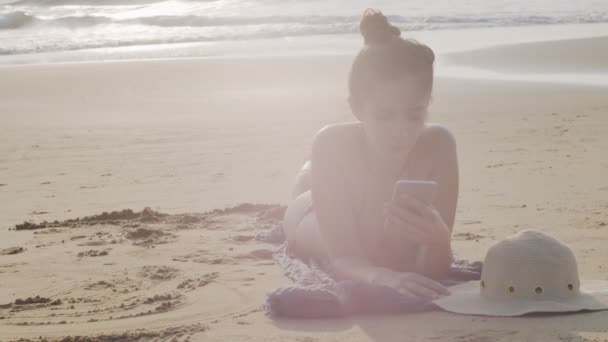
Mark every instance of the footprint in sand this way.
pixel 160 298
pixel 180 333
pixel 12 250
pixel 509 150
pixel 100 285
pixel 468 222
pixel 205 257
pixel 482 336
pixel 500 164
pixel 163 303
pixel 243 238
pixel 258 254
pixel 190 219
pixel 147 237
pixel 468 236
pixel 93 243
pixel 94 253
pixel 158 273
pixel 510 206
pixel 37 300
pixel 12 264
pixel 307 339
pixel 88 187
pixel 194 283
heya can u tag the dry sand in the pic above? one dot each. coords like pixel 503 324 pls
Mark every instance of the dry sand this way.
pixel 189 136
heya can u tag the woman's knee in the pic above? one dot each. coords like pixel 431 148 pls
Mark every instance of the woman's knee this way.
pixel 295 213
pixel 303 181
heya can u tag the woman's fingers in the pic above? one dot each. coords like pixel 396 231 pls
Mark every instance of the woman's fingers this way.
pixel 402 229
pixel 402 221
pixel 407 213
pixel 409 235
pixel 421 286
pixel 404 291
pixel 415 205
pixel 420 290
pixel 399 211
pixel 409 218
pixel 430 283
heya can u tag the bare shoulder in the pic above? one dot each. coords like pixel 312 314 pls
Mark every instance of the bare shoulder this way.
pixel 336 136
pixel 439 136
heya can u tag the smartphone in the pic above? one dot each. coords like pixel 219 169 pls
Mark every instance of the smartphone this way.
pixel 424 190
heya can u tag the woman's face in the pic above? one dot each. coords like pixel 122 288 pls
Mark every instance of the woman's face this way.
pixel 394 114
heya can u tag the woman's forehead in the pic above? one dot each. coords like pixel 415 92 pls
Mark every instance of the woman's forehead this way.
pixel 403 92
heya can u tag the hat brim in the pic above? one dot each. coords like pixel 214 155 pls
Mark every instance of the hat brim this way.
pixel 466 299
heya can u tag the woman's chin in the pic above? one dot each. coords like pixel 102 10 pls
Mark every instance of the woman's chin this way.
pixel 398 149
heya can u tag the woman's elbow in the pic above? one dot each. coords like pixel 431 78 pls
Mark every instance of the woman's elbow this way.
pixel 438 263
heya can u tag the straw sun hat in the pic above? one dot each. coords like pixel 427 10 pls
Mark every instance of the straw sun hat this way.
pixel 528 272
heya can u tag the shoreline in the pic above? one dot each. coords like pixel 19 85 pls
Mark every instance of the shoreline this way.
pixel 535 54
pixel 442 41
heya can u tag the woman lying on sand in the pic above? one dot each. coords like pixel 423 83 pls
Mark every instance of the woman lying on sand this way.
pixel 355 165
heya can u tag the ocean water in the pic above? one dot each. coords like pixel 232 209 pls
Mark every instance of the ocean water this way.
pixel 43 26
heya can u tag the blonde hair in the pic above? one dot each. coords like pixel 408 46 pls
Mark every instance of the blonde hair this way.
pixel 387 56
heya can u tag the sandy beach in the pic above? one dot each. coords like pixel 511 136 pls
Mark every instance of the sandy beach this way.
pixel 190 137
pixel 551 56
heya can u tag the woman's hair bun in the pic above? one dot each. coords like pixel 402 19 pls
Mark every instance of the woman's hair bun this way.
pixel 376 29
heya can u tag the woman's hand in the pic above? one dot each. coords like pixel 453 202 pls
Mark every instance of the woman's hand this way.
pixel 415 221
pixel 408 283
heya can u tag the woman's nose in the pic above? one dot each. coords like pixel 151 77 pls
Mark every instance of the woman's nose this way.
pixel 401 128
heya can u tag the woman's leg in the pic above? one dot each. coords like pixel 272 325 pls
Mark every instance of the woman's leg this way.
pixel 303 182
pixel 297 210
pixel 301 228
pixel 301 203
pixel 300 222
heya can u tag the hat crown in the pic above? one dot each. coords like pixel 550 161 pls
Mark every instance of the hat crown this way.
pixel 531 265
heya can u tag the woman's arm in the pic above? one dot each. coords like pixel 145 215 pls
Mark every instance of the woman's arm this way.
pixel 446 174
pixel 332 202
pixel 436 256
pixel 336 221
pixel 431 225
pixel 331 198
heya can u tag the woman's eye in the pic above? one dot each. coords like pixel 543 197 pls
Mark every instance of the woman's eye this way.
pixel 385 116
pixel 416 118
